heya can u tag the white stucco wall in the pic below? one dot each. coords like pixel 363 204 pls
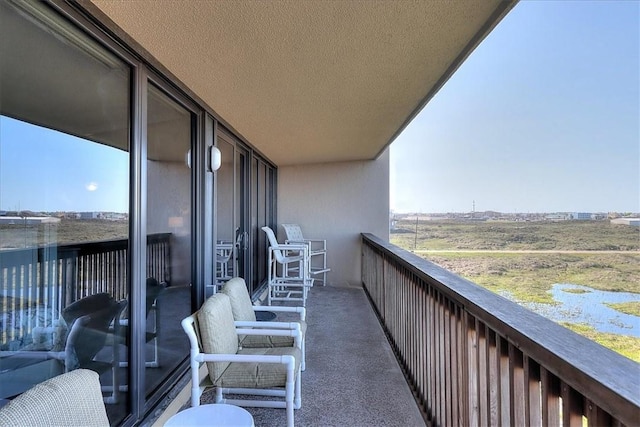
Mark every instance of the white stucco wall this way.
pixel 337 201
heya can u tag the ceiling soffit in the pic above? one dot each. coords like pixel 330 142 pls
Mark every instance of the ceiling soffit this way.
pixel 310 81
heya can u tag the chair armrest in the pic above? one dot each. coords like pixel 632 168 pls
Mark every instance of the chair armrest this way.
pixel 279 332
pixel 297 242
pixel 295 333
pixel 297 247
pixel 278 309
pixel 267 325
pixel 320 244
pixel 246 358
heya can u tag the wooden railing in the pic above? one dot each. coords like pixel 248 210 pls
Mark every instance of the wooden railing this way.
pixel 474 358
pixel 37 283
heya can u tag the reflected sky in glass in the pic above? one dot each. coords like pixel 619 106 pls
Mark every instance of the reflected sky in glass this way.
pixel 44 170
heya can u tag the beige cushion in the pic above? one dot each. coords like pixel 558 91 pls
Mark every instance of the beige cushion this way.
pixel 242 309
pixel 259 375
pixel 217 331
pixel 253 341
pixel 71 399
pixel 241 305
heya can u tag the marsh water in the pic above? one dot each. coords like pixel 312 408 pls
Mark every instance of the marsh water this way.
pixel 582 304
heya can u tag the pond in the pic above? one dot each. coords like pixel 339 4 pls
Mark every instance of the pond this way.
pixel 582 304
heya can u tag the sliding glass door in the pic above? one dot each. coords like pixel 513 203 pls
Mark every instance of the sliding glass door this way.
pixel 64 204
pixel 109 211
pixel 169 200
pixel 232 249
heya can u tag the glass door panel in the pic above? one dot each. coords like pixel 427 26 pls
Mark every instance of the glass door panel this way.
pixel 225 227
pixel 169 242
pixel 64 204
pixel 243 260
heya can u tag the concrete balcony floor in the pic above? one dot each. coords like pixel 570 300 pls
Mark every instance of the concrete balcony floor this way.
pixel 352 377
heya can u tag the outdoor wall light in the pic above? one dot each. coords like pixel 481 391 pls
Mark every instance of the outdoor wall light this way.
pixel 215 158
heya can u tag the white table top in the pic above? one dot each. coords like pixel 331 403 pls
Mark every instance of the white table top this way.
pixel 219 414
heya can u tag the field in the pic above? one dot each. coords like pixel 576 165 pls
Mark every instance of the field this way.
pixel 524 259
pixel 65 232
pixel 503 235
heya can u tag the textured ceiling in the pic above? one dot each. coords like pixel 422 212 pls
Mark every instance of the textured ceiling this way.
pixel 310 81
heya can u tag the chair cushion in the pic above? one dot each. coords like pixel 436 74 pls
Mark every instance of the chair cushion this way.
pixel 259 375
pixel 217 331
pixel 71 399
pixel 257 341
pixel 241 305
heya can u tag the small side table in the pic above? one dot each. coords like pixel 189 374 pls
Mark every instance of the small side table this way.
pixel 265 316
pixel 217 414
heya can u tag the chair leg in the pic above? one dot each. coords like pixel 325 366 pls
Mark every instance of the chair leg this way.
pixel 297 403
pixel 155 363
pixel 289 398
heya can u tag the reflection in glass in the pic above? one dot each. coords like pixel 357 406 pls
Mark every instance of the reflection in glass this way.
pixel 226 230
pixel 64 197
pixel 168 284
pixel 242 216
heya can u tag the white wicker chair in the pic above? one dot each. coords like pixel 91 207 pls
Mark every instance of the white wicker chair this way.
pixel 272 372
pixel 70 399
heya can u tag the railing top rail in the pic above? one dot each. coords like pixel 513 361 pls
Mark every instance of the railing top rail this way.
pixel 580 362
pixel 71 249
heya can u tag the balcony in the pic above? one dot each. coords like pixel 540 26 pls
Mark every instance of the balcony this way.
pixel 352 376
pixel 470 357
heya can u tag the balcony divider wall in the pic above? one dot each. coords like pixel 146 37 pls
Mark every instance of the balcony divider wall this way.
pixel 474 358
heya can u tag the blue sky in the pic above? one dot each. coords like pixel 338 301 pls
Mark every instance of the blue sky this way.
pixel 67 174
pixel 544 116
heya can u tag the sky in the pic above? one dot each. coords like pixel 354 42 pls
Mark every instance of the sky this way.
pixel 67 174
pixel 544 116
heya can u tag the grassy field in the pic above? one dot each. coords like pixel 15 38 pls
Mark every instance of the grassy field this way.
pixel 65 232
pixel 632 307
pixel 623 344
pixel 529 276
pixel 503 235
pixel 526 259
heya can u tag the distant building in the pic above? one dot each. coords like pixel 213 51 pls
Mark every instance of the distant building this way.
pixel 580 216
pixel 556 217
pixel 89 215
pixel 28 220
pixel 634 222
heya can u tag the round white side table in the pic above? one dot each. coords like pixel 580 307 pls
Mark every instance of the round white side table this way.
pixel 217 414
